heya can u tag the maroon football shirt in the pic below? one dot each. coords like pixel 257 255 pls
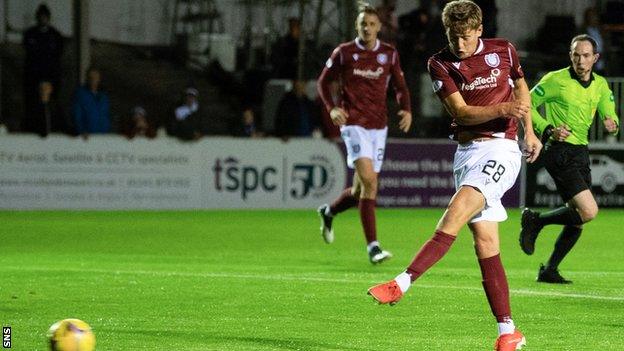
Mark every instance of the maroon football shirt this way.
pixel 485 78
pixel 364 76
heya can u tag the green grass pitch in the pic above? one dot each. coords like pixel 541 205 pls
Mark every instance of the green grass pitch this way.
pixel 265 280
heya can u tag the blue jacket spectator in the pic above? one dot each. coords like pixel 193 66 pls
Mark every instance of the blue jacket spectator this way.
pixel 91 107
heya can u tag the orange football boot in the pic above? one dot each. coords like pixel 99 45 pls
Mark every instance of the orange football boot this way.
pixel 389 292
pixel 510 342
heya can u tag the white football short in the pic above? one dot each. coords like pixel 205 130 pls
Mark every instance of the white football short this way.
pixel 491 166
pixel 368 143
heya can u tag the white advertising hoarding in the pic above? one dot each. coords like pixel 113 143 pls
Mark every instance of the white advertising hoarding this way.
pixel 110 172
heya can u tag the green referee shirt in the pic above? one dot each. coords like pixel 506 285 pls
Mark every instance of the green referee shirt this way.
pixel 571 102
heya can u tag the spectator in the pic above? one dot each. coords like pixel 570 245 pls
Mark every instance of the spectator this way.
pixel 591 26
pixel 433 8
pixel 435 37
pixel 296 114
pixel 138 125
pixel 412 46
pixel 490 11
pixel 411 36
pixel 45 115
pixel 329 129
pixel 91 107
pixel 43 45
pixel 422 35
pixel 389 22
pixel 247 127
pixel 285 56
pixel 185 123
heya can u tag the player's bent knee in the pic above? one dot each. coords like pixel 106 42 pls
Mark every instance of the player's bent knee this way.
pixel 369 183
pixel 371 188
pixel 369 194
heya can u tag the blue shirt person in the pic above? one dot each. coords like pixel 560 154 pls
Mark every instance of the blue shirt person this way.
pixel 91 107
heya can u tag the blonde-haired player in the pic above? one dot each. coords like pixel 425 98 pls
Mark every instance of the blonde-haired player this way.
pixel 482 86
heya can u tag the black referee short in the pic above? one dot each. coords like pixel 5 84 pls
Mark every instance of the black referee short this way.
pixel 568 165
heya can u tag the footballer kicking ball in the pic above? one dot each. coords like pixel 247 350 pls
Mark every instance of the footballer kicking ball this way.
pixel 71 335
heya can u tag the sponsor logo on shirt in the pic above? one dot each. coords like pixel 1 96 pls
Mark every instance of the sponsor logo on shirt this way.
pixel 492 60
pixel 370 74
pixel 437 85
pixel 539 90
pixel 483 82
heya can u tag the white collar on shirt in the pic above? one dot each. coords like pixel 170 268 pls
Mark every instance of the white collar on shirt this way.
pixel 359 44
pixel 480 47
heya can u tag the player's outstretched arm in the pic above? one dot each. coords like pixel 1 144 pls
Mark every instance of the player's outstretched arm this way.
pixel 471 115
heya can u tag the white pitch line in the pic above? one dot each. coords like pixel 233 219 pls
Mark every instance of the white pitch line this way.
pixel 532 272
pixel 571 295
pixel 303 278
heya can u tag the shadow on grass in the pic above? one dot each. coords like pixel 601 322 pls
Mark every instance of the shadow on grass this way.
pixel 227 341
pixel 294 344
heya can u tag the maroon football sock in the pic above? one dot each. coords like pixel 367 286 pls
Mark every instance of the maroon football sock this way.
pixel 496 287
pixel 367 215
pixel 345 201
pixel 430 253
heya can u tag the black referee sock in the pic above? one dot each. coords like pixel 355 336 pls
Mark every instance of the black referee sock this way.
pixel 562 215
pixel 566 240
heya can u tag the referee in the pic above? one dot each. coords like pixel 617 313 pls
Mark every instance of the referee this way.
pixel 571 97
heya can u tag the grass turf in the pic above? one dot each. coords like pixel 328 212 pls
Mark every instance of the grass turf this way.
pixel 264 280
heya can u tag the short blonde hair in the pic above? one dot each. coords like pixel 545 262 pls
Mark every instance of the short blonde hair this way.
pixel 461 15
pixel 367 9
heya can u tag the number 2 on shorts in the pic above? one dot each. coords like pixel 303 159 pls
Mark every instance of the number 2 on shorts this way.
pixel 491 166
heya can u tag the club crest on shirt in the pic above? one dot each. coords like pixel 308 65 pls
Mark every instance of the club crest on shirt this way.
pixel 492 60
pixel 356 57
pixel 382 59
pixel 329 63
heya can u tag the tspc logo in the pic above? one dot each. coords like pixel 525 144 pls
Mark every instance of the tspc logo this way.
pixel 315 178
pixel 231 176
